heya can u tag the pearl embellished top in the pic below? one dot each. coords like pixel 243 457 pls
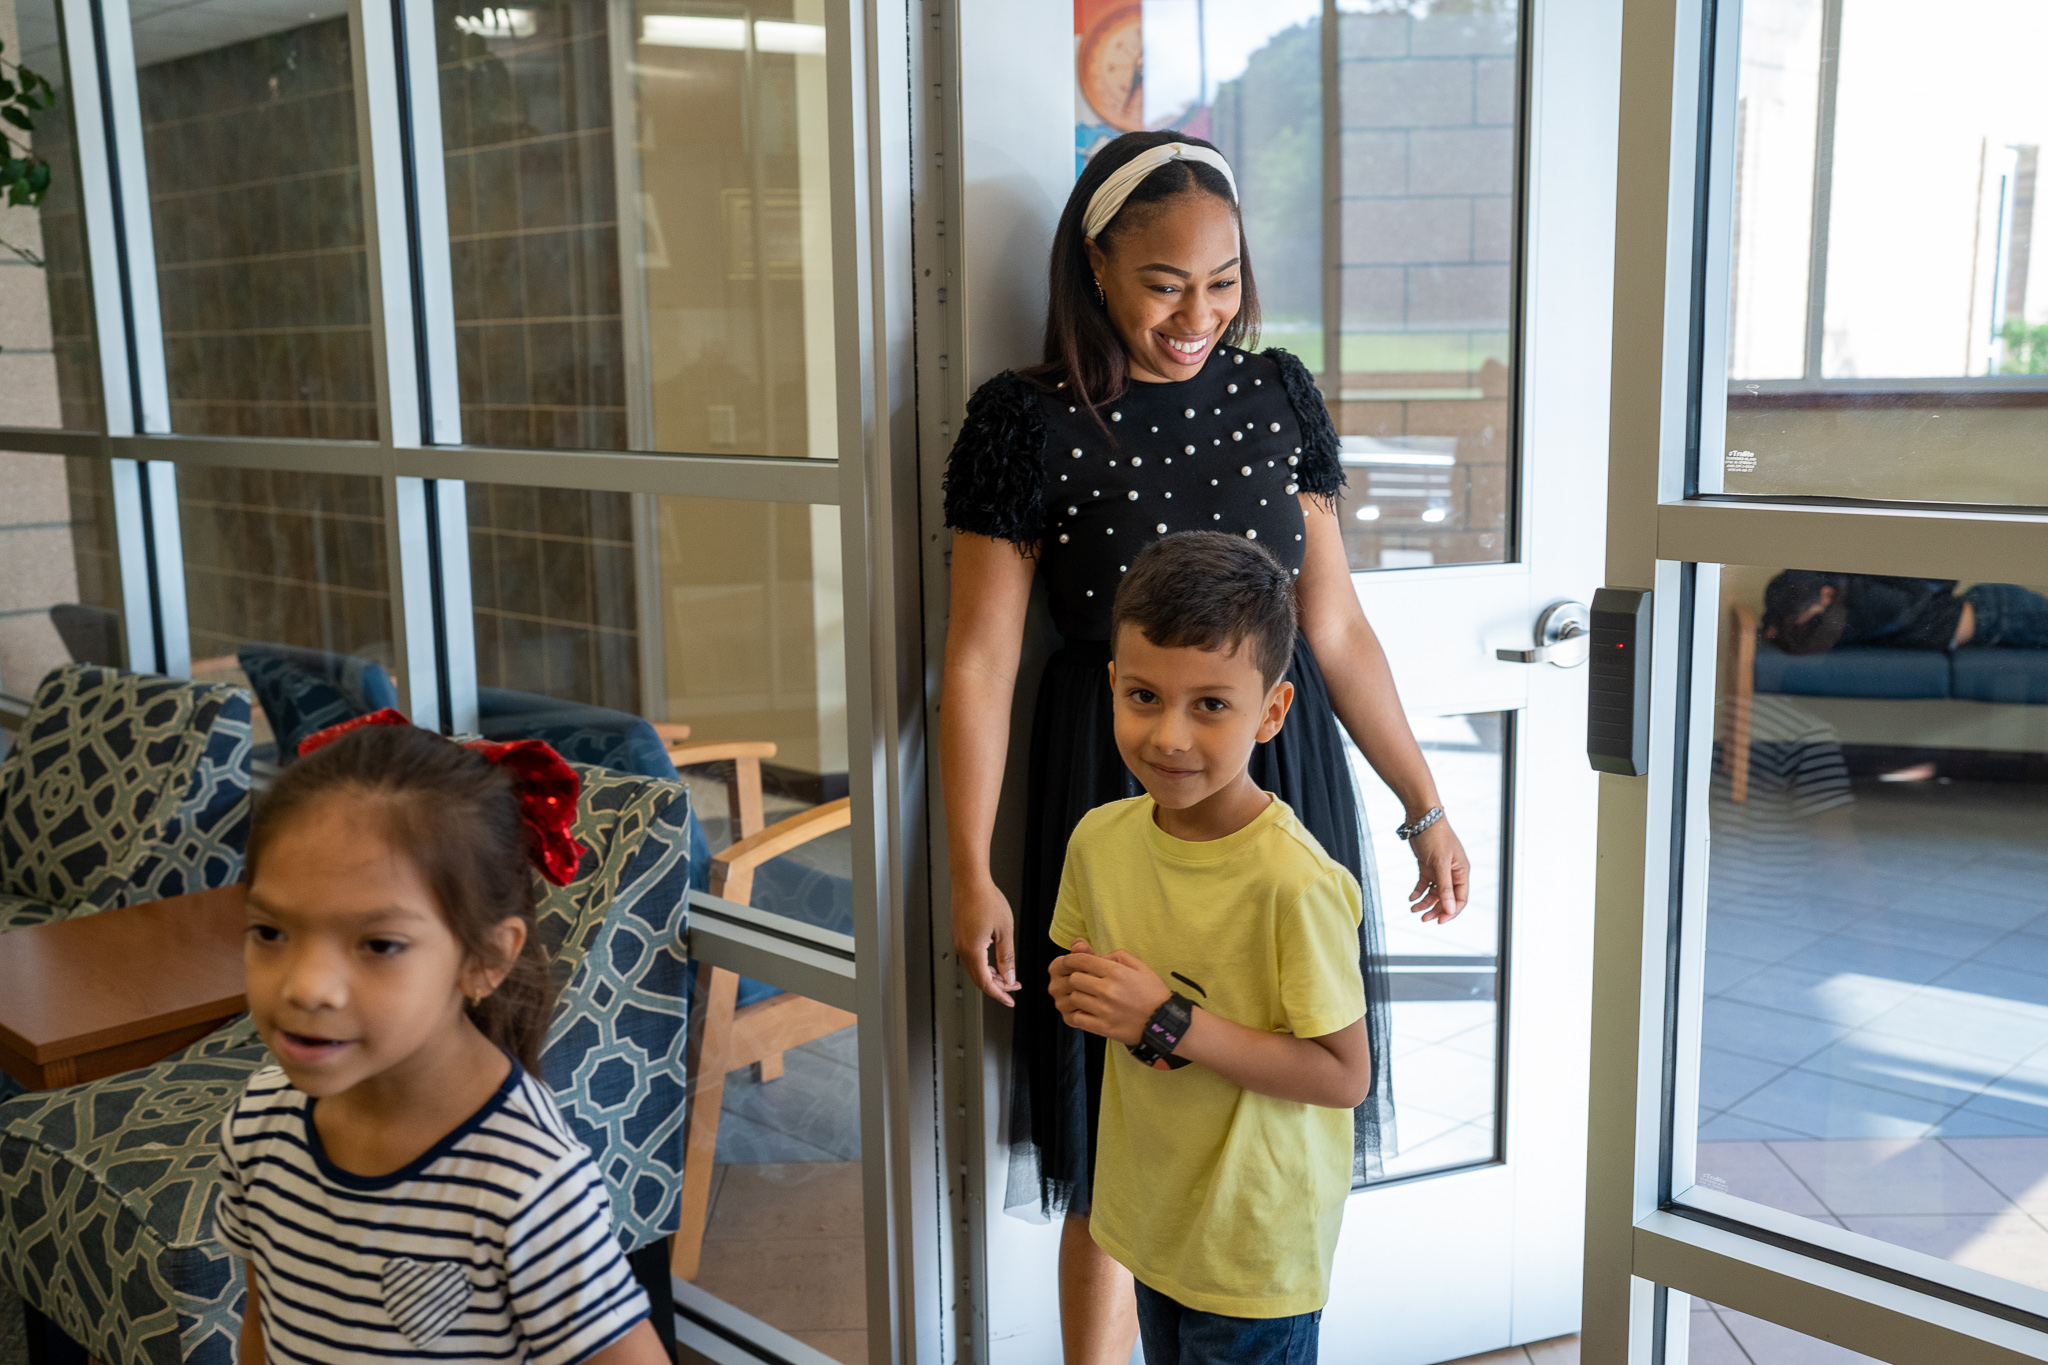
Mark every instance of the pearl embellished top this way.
pixel 1227 450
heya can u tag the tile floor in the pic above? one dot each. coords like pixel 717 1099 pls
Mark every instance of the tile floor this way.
pixel 1875 1036
pixel 1556 1351
pixel 784 1244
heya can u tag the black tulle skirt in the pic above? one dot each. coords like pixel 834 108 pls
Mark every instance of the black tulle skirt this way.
pixel 1056 1079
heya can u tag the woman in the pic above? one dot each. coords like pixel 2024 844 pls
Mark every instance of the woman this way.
pixel 1145 418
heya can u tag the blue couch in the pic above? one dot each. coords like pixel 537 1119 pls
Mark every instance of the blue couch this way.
pixel 1985 675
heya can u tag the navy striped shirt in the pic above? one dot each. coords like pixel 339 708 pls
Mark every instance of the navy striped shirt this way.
pixel 496 1244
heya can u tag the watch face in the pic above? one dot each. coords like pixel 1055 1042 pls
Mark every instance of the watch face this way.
pixel 1111 68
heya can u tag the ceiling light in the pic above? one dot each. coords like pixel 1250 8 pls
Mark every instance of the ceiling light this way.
pixel 774 35
pixel 499 23
pixel 694 30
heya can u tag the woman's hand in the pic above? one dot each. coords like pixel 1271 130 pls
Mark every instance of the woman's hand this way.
pixel 1445 880
pixel 984 927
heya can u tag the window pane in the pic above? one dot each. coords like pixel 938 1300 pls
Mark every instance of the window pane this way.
pixel 1875 1036
pixel 1405 317
pixel 249 127
pixel 1429 103
pixel 674 294
pixel 60 578
pixel 783 1239
pixel 1445 978
pixel 49 363
pixel 1911 365
pixel 287 593
pixel 639 633
pixel 1722 1336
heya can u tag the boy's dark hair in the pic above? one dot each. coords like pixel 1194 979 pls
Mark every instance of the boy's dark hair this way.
pixel 454 815
pixel 1795 591
pixel 1206 590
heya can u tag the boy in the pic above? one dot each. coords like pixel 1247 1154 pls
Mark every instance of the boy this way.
pixel 1215 946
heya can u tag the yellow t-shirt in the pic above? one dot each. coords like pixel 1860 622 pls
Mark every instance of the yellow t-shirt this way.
pixel 1221 1199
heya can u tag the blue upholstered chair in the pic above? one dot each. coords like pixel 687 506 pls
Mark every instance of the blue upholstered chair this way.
pixel 306 690
pixel 107 1189
pixel 121 788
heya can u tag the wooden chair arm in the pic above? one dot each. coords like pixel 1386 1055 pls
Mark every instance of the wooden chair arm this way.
pixel 743 788
pixel 669 731
pixel 719 751
pixel 732 869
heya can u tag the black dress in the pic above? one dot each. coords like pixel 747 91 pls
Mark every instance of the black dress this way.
pixel 1227 450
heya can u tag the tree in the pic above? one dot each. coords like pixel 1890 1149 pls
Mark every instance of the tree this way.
pixel 24 175
pixel 2026 347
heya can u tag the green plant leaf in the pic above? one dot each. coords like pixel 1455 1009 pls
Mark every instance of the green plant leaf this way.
pixel 17 118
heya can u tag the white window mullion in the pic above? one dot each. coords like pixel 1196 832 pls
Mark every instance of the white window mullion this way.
pixel 405 215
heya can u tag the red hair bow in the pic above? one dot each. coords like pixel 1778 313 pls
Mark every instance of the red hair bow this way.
pixel 320 739
pixel 545 787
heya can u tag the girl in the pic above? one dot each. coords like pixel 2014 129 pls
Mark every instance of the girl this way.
pixel 1145 418
pixel 399 1183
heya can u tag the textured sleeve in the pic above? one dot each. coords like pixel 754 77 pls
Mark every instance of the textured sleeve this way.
pixel 1322 464
pixel 571 1291
pixel 995 477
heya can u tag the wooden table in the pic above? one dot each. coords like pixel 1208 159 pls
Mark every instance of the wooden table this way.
pixel 88 997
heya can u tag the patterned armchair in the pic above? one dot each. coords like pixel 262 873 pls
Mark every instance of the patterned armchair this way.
pixel 122 788
pixel 107 1189
pixel 304 690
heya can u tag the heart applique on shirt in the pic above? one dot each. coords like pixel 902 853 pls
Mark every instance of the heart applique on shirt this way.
pixel 424 1297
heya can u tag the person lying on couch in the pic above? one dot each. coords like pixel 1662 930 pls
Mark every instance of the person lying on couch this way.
pixel 1808 612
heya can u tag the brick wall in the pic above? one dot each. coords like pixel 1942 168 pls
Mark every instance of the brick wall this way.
pixel 256 200
pixel 533 239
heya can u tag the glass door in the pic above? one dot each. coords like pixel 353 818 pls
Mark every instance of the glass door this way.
pixel 1439 255
pixel 1818 1088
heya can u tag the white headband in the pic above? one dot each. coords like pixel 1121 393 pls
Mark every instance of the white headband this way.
pixel 1108 199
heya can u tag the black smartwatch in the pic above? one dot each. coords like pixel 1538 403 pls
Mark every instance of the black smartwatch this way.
pixel 1163 1032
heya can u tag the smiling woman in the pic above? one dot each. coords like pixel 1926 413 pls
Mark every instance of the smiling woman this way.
pixel 1148 416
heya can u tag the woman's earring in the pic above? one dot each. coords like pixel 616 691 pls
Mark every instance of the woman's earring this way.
pixel 1100 298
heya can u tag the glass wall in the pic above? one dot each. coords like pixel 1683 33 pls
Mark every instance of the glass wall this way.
pixel 49 361
pixel 255 192
pixel 60 576
pixel 702 638
pixel 1888 273
pixel 640 230
pixel 60 582
pixel 1874 1048
pixel 669 293
pixel 288 594
pixel 1395 285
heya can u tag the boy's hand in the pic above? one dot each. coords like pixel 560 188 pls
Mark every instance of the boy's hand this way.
pixel 1111 996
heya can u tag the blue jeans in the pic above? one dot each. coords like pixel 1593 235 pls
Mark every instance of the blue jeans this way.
pixel 1174 1335
pixel 2008 617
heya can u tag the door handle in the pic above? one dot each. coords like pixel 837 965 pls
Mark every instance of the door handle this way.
pixel 1561 638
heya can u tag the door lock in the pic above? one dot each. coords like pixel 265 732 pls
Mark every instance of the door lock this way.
pixel 1561 638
